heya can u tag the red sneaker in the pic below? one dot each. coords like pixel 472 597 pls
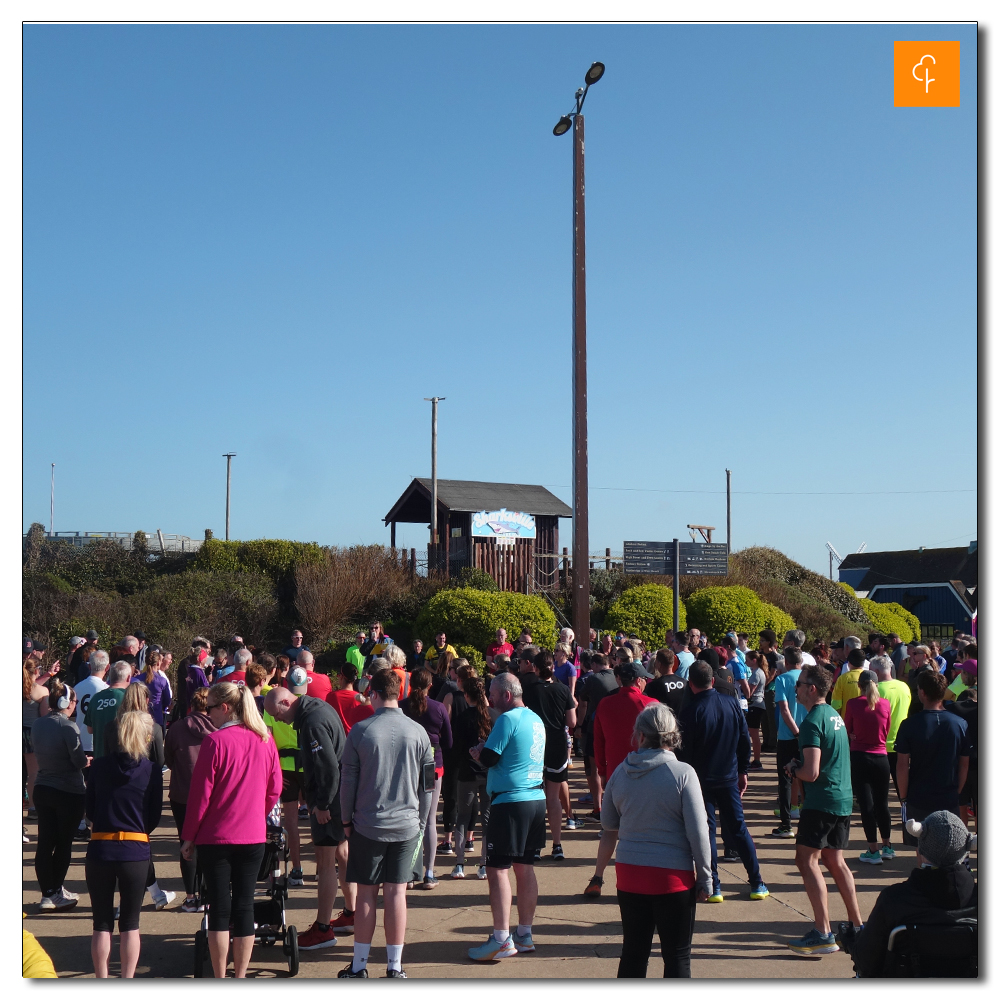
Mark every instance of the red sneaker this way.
pixel 345 922
pixel 314 938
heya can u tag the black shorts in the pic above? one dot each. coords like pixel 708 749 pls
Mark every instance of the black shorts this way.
pixel 822 830
pixel 329 834
pixel 372 862
pixel 515 834
pixel 755 713
pixel 291 785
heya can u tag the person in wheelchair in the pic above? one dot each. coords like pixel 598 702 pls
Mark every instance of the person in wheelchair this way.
pixel 940 891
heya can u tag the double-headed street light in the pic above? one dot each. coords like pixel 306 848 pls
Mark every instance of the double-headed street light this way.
pixel 581 527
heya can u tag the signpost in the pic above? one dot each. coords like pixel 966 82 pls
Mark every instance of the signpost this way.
pixel 676 559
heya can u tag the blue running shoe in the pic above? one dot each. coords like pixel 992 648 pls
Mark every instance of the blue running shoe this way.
pixel 814 943
pixel 491 951
pixel 759 891
pixel 523 944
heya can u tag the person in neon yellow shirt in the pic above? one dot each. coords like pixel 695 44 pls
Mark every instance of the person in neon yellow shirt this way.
pixel 899 696
pixel 846 686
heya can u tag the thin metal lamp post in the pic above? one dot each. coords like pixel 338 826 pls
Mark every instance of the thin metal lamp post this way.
pixel 581 506
pixel 229 456
pixel 434 400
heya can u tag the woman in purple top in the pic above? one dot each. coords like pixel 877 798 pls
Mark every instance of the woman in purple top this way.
pixel 190 677
pixel 867 721
pixel 124 802
pixel 564 670
pixel 433 716
pixel 158 686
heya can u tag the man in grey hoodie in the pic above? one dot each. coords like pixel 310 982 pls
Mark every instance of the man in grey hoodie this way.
pixel 386 781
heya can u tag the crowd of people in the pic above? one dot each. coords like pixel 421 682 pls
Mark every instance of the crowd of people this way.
pixel 379 752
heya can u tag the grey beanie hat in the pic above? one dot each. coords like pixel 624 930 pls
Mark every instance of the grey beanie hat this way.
pixel 942 838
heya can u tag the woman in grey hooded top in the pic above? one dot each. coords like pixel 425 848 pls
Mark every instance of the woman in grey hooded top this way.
pixel 663 861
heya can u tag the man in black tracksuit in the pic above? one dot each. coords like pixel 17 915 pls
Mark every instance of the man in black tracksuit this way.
pixel 321 747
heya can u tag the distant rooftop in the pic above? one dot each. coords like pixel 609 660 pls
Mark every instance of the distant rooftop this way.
pixel 414 506
pixel 912 566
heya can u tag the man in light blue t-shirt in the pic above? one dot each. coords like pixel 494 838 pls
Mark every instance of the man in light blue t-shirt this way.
pixel 788 714
pixel 514 755
pixel 684 656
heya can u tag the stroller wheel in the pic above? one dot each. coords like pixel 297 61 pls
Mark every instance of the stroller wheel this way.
pixel 200 953
pixel 291 949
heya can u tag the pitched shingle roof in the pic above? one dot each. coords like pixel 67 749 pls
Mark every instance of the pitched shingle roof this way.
pixel 467 495
pixel 915 566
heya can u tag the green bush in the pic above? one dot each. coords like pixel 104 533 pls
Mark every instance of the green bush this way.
pixel 475 656
pixel 909 617
pixel 646 610
pixel 275 558
pixel 471 617
pixel 886 619
pixel 476 579
pixel 848 588
pixel 717 610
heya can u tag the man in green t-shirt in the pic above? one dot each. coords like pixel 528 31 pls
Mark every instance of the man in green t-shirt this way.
pixel 354 654
pixel 286 742
pixel 825 821
pixel 899 695
pixel 103 706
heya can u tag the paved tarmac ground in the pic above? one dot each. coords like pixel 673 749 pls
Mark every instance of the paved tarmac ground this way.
pixel 576 938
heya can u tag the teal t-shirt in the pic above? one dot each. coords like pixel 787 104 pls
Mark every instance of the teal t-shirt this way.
pixel 518 737
pixel 831 791
pixel 784 690
pixel 102 709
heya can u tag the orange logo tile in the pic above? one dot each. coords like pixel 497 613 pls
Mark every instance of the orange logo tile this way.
pixel 926 74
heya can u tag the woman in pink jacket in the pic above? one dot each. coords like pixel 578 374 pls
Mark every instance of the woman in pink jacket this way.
pixel 235 784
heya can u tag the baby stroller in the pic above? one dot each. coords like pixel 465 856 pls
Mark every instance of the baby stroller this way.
pixel 269 902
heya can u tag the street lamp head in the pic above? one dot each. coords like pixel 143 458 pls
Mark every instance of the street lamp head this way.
pixel 563 125
pixel 594 74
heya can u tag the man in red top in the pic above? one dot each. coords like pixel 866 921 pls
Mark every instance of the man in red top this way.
pixel 242 659
pixel 346 701
pixel 499 648
pixel 613 725
pixel 319 685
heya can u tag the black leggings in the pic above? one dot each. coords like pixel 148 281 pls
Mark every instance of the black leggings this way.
pixel 870 778
pixel 59 815
pixel 189 869
pixel 230 872
pixel 449 792
pixel 131 879
pixel 672 916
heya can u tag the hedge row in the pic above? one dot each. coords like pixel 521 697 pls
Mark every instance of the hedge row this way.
pixel 717 610
pixel 886 618
pixel 275 558
pixel 646 610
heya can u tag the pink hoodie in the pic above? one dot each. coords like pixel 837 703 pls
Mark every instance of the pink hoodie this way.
pixel 235 784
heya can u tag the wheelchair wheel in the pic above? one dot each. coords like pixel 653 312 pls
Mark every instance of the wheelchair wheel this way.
pixel 200 953
pixel 291 949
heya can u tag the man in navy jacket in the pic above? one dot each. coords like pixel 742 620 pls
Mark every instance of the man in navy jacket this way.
pixel 716 743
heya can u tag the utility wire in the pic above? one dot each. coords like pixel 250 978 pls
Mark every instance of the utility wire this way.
pixel 769 493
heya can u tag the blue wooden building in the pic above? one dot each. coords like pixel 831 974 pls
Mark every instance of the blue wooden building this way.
pixel 937 585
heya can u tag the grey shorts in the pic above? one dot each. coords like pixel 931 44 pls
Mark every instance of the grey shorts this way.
pixel 371 862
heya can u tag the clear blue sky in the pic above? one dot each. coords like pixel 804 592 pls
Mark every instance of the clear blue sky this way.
pixel 278 240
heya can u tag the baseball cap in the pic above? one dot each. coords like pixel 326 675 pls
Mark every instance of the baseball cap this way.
pixel 867 677
pixel 27 645
pixel 632 671
pixel 298 681
pixel 942 838
pixel 92 636
pixel 971 667
pixel 140 635
pixel 75 640
pixel 40 645
pixel 839 644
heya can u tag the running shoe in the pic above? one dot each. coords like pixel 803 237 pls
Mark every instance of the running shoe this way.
pixel 25 839
pixel 728 855
pixel 69 895
pixel 755 765
pixel 303 812
pixel 557 852
pixel 345 922
pixel 888 854
pixel 446 847
pixel 48 902
pixel 458 871
pixel 795 812
pixel 481 874
pixel 594 886
pixel 870 857
pixel 163 899
pixel 523 944
pixel 315 938
pixel 784 832
pixel 191 905
pixel 585 800
pixel 429 882
pixel 759 891
pixel 470 845
pixel 492 950
pixel 82 833
pixel 594 816
pixel 32 813
pixel 347 972
pixel 58 902
pixel 572 824
pixel 395 974
pixel 295 877
pixel 716 896
pixel 814 943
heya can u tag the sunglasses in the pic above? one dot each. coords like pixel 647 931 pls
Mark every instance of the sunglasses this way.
pixel 208 708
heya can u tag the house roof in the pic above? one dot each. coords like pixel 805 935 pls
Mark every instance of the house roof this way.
pixel 958 566
pixel 414 506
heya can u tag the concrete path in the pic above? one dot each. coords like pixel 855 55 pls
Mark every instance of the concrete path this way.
pixel 575 937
